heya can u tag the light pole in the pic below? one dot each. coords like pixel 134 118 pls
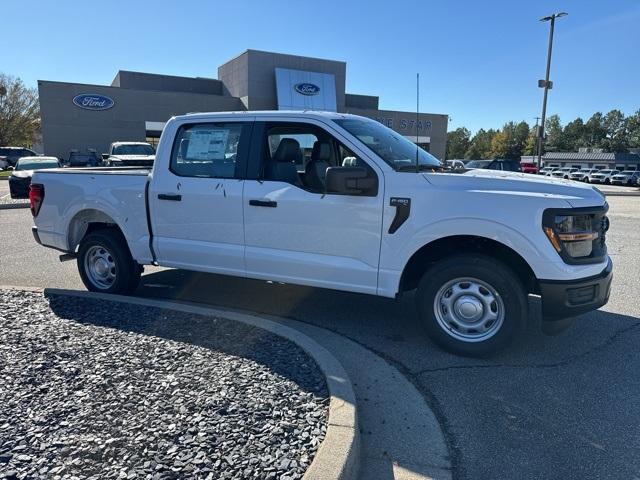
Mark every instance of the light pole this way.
pixel 546 84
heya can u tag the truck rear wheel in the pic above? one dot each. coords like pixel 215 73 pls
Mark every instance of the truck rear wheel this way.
pixel 105 263
pixel 471 305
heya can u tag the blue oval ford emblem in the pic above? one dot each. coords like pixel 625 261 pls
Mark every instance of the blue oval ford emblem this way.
pixel 93 101
pixel 307 89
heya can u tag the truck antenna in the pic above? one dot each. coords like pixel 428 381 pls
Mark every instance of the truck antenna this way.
pixel 417 118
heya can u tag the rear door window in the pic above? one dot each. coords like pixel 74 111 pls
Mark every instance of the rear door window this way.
pixel 210 150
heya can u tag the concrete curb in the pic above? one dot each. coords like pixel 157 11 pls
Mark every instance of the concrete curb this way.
pixel 13 206
pixel 339 454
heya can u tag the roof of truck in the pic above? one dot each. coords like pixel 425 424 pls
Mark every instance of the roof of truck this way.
pixel 130 143
pixel 271 113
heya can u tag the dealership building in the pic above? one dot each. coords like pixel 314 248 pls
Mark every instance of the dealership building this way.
pixel 135 107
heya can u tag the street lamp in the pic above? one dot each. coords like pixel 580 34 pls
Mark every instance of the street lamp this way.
pixel 546 84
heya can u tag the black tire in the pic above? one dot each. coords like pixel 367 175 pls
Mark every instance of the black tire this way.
pixel 126 271
pixel 487 270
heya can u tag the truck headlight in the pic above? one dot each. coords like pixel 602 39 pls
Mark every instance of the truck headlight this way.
pixel 577 237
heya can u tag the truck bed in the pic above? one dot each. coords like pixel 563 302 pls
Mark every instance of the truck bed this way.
pixel 75 197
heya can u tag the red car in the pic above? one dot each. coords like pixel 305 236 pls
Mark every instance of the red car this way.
pixel 528 167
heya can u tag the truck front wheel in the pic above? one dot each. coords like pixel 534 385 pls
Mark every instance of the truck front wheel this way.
pixel 471 305
pixel 105 263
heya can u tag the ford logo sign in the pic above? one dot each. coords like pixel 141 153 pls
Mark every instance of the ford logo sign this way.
pixel 307 89
pixel 93 101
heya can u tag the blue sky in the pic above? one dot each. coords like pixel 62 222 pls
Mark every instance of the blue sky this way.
pixel 479 61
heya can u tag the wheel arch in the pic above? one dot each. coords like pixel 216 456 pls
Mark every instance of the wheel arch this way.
pixel 448 246
pixel 85 222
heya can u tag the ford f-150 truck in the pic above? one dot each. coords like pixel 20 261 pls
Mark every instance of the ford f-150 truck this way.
pixel 127 154
pixel 337 201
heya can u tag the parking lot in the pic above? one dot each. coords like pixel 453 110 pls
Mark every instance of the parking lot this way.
pixel 561 407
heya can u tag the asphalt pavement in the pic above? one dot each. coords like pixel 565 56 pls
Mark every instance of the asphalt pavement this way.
pixel 552 407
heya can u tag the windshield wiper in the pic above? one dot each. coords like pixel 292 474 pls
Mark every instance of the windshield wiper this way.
pixel 411 167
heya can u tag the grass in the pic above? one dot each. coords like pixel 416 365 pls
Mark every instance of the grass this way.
pixel 5 173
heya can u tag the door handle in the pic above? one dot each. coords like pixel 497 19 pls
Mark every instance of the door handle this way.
pixel 169 196
pixel 263 203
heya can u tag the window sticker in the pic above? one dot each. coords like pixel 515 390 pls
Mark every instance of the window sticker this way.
pixel 210 144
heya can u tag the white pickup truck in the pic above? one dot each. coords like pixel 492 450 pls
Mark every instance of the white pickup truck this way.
pixel 337 201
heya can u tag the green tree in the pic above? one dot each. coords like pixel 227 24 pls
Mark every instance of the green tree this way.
pixel 518 141
pixel 480 147
pixel 615 127
pixel 458 142
pixel 499 145
pixel 555 141
pixel 19 112
pixel 633 130
pixel 531 143
pixel 575 135
pixel 594 130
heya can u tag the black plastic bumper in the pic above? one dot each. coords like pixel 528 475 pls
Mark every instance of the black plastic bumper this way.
pixel 564 299
pixel 34 231
pixel 19 188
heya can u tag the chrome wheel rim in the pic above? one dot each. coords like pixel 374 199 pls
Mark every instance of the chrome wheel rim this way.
pixel 469 310
pixel 100 267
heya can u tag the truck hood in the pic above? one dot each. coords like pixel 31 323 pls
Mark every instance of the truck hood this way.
pixel 514 183
pixel 22 173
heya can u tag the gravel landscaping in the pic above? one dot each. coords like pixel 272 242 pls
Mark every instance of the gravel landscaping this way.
pixel 98 389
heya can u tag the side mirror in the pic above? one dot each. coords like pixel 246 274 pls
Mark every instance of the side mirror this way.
pixel 351 181
pixel 9 168
pixel 105 156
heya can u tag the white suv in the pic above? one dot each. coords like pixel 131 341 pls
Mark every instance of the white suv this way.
pixel 602 176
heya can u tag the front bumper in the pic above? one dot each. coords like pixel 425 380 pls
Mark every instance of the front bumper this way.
pixel 563 299
pixel 36 236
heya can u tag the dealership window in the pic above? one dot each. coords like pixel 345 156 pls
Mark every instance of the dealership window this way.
pixel 207 150
pixel 153 141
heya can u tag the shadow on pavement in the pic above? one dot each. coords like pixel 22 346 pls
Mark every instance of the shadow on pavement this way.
pixel 387 326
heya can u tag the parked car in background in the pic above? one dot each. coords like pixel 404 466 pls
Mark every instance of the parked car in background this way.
pixel 455 165
pixel 529 167
pixel 13 154
pixel 129 154
pixel 564 172
pixel 544 170
pixel 602 176
pixel 498 164
pixel 551 170
pixel 83 159
pixel 582 175
pixel 627 177
pixel 232 193
pixel 20 178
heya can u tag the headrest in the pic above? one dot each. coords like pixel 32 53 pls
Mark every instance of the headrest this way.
pixel 321 151
pixel 288 150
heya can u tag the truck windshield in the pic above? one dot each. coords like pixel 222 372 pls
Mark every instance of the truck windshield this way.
pixel 133 150
pixel 478 164
pixel 398 152
pixel 28 164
